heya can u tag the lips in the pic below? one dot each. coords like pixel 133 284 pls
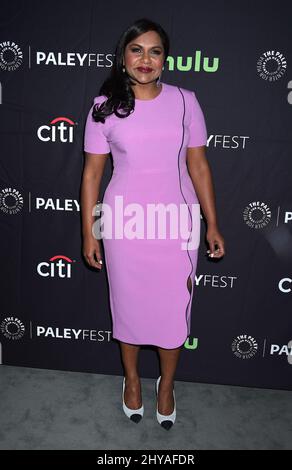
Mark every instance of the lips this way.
pixel 144 69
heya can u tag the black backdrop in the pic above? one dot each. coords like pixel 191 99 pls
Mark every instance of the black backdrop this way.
pixel 54 309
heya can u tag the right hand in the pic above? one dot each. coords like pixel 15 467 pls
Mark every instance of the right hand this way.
pixel 91 247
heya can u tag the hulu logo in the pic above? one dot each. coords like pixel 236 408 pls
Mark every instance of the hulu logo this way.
pixel 197 63
pixel 192 345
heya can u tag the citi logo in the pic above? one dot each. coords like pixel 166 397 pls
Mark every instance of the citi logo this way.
pixel 58 266
pixel 285 285
pixel 60 129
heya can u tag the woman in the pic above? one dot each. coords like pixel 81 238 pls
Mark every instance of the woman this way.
pixel 157 136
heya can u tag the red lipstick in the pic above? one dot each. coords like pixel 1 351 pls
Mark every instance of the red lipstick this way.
pixel 144 69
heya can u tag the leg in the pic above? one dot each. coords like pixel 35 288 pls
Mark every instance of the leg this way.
pixel 130 353
pixel 168 361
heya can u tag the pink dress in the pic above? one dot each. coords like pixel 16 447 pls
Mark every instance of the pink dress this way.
pixel 149 276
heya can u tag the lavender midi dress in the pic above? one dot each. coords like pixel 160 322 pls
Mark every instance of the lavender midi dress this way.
pixel 149 276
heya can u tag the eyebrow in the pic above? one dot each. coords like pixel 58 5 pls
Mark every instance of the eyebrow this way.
pixel 136 44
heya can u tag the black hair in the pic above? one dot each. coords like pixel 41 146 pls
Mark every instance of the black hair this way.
pixel 117 87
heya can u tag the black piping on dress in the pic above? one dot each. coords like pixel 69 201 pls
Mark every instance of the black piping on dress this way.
pixel 192 267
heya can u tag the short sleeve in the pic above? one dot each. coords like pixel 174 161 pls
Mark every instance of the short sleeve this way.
pixel 197 127
pixel 95 140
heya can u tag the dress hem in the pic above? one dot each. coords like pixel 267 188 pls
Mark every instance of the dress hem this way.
pixel 150 343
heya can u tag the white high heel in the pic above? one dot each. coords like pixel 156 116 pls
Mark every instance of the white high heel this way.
pixel 134 415
pixel 166 421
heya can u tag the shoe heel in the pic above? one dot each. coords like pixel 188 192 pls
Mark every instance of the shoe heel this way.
pixel 166 421
pixel 134 415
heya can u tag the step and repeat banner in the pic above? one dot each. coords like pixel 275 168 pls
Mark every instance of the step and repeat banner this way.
pixel 55 311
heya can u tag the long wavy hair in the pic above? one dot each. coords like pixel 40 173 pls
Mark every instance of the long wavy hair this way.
pixel 117 87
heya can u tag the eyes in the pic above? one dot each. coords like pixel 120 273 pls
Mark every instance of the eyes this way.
pixel 137 49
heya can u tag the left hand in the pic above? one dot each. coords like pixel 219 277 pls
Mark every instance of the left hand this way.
pixel 214 237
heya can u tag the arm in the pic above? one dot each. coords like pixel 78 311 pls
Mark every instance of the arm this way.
pixel 200 173
pixel 90 187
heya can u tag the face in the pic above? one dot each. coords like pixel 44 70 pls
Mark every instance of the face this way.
pixel 143 58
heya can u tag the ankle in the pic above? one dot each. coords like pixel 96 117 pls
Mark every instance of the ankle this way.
pixel 166 383
pixel 132 378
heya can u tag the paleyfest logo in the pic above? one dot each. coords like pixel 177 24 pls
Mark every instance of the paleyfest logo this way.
pixel 244 346
pixel 257 214
pixel 156 220
pixel 11 56
pixel 271 65
pixel 12 328
pixel 11 200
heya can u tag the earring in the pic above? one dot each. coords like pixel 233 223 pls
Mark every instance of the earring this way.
pixel 158 81
pixel 124 69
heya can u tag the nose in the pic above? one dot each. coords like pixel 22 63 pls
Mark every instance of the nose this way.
pixel 146 58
